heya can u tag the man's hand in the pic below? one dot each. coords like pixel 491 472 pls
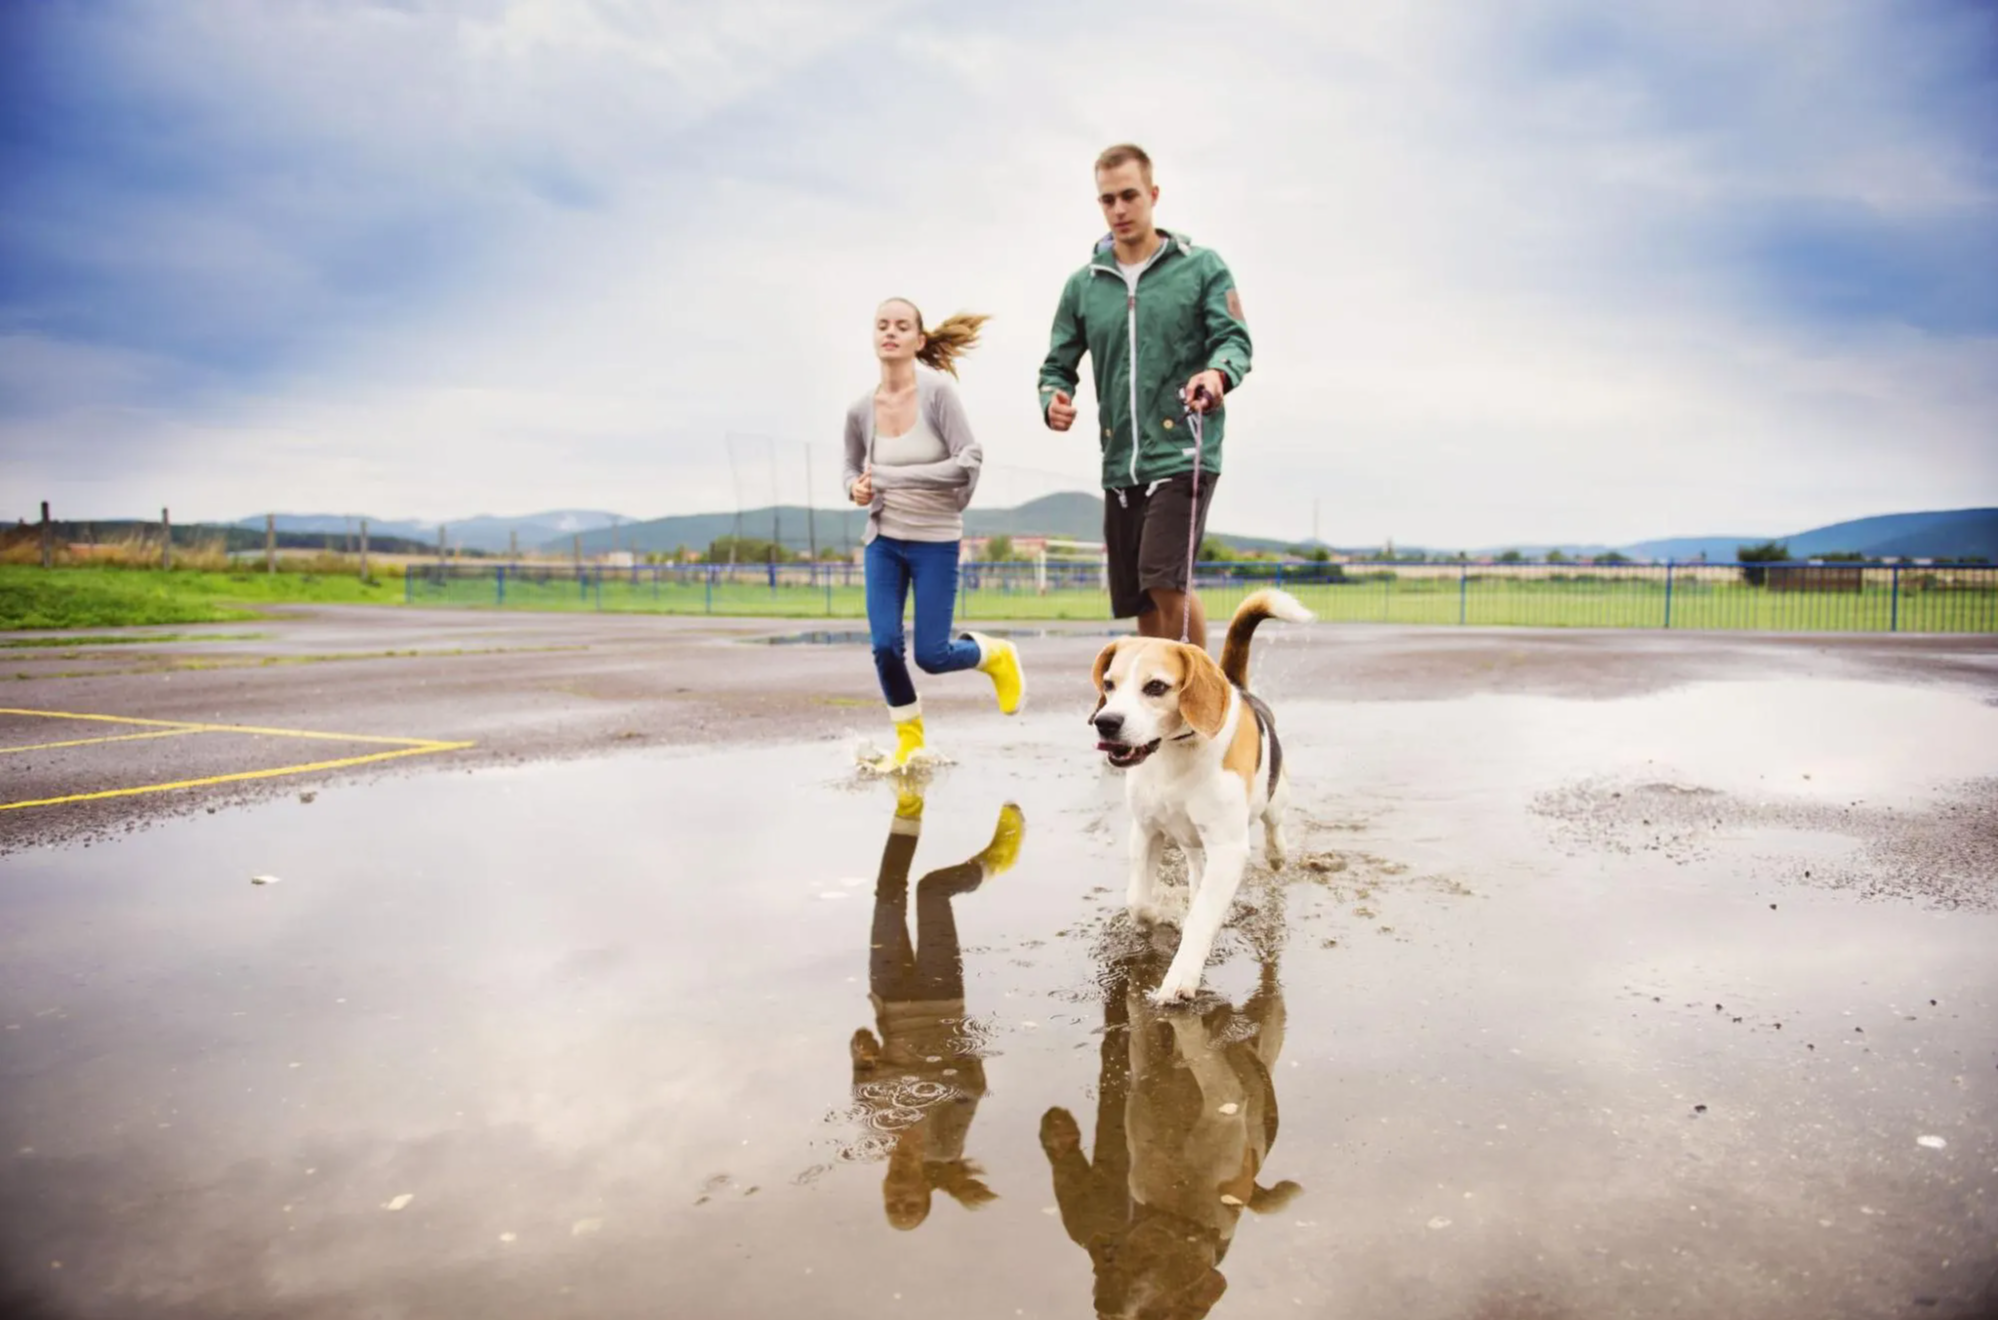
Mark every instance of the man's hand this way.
pixel 862 492
pixel 1209 380
pixel 1061 412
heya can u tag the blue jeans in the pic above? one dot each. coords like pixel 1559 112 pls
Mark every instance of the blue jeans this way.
pixel 892 567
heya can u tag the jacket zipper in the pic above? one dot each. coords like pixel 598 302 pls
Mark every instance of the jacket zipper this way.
pixel 1131 341
pixel 1131 337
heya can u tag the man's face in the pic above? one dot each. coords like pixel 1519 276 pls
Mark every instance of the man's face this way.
pixel 1127 200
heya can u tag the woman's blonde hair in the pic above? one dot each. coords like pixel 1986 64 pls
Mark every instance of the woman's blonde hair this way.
pixel 910 1180
pixel 948 341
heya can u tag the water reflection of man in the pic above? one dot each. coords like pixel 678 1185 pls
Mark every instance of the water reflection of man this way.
pixel 1186 1117
pixel 922 1079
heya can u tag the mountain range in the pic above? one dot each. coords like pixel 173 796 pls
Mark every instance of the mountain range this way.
pixel 1937 534
pixel 484 532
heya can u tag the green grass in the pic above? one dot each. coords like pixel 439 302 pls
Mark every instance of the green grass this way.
pixel 98 597
pixel 1633 602
pixel 71 641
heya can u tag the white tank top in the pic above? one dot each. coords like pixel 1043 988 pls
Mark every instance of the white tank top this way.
pixel 917 515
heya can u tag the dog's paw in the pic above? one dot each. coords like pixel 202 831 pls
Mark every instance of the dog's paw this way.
pixel 1147 913
pixel 1177 986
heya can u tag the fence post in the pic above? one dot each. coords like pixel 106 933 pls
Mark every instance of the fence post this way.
pixel 708 591
pixel 364 549
pixel 1669 594
pixel 48 538
pixel 1895 598
pixel 409 584
pixel 600 587
pixel 1464 572
pixel 500 585
pixel 166 539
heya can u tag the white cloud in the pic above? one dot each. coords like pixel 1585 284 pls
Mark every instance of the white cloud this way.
pixel 1493 270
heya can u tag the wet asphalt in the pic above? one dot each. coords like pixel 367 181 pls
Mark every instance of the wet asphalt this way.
pixel 1611 975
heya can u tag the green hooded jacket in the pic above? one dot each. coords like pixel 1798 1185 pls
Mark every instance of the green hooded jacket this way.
pixel 1144 345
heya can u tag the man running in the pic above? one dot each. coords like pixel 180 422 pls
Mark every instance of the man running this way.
pixel 1162 323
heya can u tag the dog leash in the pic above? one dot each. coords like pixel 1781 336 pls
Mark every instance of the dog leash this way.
pixel 1194 512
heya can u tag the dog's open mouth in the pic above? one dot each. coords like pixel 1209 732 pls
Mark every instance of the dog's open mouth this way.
pixel 1124 756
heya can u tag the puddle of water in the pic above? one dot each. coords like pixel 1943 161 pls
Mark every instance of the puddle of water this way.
pixel 733 1029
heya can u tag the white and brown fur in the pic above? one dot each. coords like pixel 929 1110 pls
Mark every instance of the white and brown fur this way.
pixel 1205 766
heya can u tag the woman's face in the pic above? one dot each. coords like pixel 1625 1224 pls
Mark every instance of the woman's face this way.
pixel 897 338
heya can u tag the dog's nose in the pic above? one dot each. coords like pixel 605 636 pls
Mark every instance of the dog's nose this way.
pixel 1108 725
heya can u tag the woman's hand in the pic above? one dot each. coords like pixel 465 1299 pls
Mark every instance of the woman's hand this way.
pixel 862 492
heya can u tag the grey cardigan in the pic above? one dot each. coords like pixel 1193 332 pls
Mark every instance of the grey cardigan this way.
pixel 936 401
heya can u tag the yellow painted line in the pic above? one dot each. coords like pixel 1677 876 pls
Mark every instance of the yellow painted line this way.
pixel 424 749
pixel 190 726
pixel 92 742
pixel 107 719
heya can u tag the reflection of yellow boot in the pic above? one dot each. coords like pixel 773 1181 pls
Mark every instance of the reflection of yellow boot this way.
pixel 1000 660
pixel 908 801
pixel 1004 850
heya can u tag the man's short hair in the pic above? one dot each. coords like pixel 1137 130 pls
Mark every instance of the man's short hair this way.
pixel 1113 157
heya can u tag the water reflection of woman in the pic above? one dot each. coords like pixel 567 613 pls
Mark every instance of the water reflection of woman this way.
pixel 920 1081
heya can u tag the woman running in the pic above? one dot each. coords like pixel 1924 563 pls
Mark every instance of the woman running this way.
pixel 913 463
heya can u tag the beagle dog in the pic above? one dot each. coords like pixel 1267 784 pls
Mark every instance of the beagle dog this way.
pixel 1204 766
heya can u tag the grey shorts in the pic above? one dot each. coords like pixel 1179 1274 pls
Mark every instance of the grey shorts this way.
pixel 1146 538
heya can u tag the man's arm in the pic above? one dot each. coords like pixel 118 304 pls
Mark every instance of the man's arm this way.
pixel 1221 318
pixel 1066 346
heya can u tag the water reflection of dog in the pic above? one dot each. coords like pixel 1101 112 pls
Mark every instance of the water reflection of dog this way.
pixel 1186 1116
pixel 920 1081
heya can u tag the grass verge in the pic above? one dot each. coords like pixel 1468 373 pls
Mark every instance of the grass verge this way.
pixel 100 597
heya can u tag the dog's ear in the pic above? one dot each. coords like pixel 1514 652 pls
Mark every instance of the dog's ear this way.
pixel 1104 658
pixel 1204 693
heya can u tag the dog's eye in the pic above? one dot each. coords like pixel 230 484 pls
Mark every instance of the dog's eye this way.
pixel 1108 685
pixel 1157 688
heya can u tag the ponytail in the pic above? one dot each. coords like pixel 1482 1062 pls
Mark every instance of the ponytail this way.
pixel 946 343
pixel 951 340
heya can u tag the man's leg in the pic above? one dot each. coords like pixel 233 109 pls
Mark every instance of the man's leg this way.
pixel 1124 527
pixel 1168 608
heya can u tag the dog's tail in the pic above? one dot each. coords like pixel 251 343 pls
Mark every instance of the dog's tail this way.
pixel 1269 603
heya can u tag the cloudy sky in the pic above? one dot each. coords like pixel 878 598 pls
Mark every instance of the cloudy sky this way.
pixel 1543 270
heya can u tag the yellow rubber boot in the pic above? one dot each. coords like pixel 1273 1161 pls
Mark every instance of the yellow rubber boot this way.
pixel 1004 850
pixel 908 739
pixel 1000 661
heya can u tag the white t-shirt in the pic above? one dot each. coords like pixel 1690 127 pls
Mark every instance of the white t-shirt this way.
pixel 1131 273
